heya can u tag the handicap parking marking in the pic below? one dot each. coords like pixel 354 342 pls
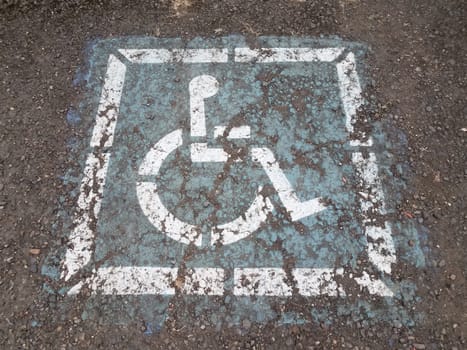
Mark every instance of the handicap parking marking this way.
pixel 381 254
pixel 213 165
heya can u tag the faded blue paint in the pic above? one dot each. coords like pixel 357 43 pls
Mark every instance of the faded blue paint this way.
pixel 72 117
pixel 293 109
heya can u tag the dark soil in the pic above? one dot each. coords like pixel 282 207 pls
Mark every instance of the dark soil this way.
pixel 418 66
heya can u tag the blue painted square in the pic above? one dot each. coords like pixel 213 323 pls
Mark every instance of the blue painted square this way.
pixel 293 109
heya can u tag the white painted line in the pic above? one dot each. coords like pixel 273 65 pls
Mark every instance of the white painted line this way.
pixel 134 280
pixel 245 224
pixel 236 132
pixel 200 88
pixel 374 285
pixel 107 112
pixel 204 281
pixel 153 56
pixel 297 209
pixel 143 280
pixel 381 250
pixel 275 282
pixel 351 95
pixel 367 169
pixel 313 282
pixel 285 54
pixel 89 203
pixel 261 281
pixel 199 152
pixel 350 90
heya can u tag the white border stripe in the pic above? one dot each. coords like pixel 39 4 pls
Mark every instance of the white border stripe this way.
pixel 262 281
pixel 143 280
pixel 272 282
pixel 107 113
pixel 374 285
pixel 204 281
pixel 275 282
pixel 351 94
pixel 313 282
pixel 134 280
pixel 286 54
pixel 89 203
pixel 381 250
pixel 372 194
pixel 175 55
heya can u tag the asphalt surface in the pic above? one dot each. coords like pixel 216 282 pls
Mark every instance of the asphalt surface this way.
pixel 417 69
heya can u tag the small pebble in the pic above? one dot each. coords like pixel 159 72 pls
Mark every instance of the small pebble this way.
pixel 34 251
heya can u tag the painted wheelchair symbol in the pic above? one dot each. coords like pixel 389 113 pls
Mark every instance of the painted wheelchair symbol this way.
pixel 200 88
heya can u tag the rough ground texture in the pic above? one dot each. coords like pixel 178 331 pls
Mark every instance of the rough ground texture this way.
pixel 418 71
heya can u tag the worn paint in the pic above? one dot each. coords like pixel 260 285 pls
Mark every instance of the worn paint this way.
pixel 295 103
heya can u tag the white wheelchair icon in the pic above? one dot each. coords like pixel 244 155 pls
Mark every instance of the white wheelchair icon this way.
pixel 200 88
